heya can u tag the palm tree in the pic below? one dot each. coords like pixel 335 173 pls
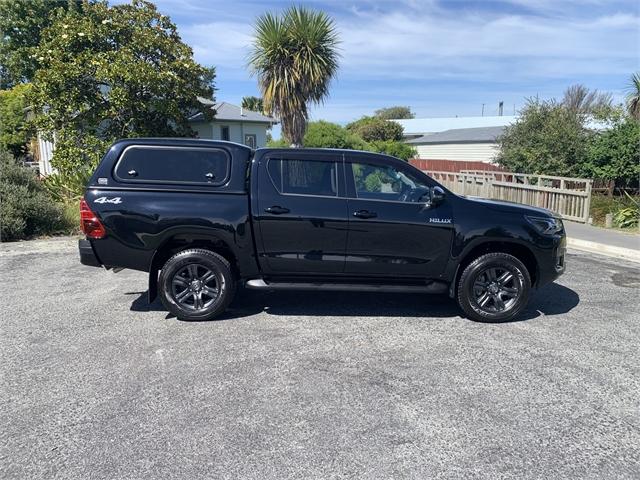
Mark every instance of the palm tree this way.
pixel 294 57
pixel 252 103
pixel 633 96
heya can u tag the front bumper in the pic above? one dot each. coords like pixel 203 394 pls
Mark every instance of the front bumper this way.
pixel 87 254
pixel 551 264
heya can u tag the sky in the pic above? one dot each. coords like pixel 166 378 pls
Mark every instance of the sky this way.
pixel 441 58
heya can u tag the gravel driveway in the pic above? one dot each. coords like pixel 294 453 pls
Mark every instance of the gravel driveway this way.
pixel 99 384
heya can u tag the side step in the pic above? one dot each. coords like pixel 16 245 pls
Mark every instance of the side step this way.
pixel 432 287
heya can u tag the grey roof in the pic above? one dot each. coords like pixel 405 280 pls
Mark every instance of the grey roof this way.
pixel 461 135
pixel 229 112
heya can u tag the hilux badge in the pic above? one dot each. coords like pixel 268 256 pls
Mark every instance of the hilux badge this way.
pixel 439 220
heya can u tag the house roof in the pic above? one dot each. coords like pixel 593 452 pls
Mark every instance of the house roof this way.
pixel 229 112
pixel 422 126
pixel 460 135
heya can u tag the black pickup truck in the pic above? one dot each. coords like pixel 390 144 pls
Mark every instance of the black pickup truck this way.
pixel 203 217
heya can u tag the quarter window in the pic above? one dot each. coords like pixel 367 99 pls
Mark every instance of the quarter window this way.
pixel 385 182
pixel 154 164
pixel 304 177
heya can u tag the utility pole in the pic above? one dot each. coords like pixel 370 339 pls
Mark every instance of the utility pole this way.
pixel 483 109
pixel 500 108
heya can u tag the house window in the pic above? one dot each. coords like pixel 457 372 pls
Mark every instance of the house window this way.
pixel 250 140
pixel 224 133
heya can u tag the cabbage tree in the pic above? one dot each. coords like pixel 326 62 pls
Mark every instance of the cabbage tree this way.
pixel 294 57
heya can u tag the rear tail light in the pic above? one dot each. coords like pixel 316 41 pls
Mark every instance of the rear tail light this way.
pixel 89 223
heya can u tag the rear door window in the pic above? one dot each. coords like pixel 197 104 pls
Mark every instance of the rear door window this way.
pixel 184 165
pixel 304 177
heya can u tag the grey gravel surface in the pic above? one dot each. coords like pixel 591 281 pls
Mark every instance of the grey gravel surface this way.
pixel 98 384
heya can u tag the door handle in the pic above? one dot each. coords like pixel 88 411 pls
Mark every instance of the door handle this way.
pixel 365 214
pixel 276 210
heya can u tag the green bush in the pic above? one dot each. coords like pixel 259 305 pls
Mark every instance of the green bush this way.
pixel 395 149
pixel 623 208
pixel 373 129
pixel 26 210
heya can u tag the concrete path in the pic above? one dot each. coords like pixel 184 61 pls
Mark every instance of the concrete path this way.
pixel 603 241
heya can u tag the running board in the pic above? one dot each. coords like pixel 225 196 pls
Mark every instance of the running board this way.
pixel 432 287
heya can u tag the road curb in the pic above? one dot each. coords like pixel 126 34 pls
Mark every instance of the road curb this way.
pixel 604 249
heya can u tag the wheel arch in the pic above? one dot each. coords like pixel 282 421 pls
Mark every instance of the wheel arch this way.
pixel 179 243
pixel 518 250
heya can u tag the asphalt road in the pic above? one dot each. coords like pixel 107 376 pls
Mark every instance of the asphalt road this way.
pixel 98 384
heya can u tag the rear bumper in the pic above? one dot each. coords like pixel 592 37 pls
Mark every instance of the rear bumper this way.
pixel 87 255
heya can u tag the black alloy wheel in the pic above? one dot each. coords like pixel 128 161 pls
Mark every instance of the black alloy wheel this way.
pixel 494 287
pixel 196 284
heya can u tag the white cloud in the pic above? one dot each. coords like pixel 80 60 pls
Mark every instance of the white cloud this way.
pixel 404 48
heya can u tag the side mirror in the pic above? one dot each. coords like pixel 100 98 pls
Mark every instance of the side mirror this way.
pixel 437 196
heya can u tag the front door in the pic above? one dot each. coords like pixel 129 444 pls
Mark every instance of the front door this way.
pixel 302 213
pixel 393 231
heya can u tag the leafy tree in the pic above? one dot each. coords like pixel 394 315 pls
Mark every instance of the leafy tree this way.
pixel 547 138
pixel 21 24
pixel 253 104
pixel 376 129
pixel 614 154
pixel 322 134
pixel 633 96
pixel 394 113
pixel 111 72
pixel 294 57
pixel 14 129
pixel 579 100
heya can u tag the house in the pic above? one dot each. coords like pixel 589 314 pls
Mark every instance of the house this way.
pixel 232 123
pixel 455 143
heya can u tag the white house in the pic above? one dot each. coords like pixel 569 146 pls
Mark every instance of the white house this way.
pixel 454 143
pixel 233 123
pixel 230 123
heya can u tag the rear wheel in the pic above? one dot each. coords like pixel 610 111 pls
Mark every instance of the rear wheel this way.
pixel 196 284
pixel 494 287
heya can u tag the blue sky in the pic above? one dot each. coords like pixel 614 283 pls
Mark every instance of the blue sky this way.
pixel 441 58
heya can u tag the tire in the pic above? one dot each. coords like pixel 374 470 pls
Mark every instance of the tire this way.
pixel 196 284
pixel 495 287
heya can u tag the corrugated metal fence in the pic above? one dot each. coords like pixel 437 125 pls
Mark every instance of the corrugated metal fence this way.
pixel 569 197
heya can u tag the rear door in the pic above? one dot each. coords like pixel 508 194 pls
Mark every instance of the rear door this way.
pixel 392 230
pixel 301 212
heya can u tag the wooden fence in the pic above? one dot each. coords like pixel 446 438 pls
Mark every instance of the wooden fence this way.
pixel 568 197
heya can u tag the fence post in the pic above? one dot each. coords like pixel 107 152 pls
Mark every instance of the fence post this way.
pixel 587 201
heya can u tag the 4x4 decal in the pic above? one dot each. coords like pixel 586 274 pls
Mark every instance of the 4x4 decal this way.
pixel 115 200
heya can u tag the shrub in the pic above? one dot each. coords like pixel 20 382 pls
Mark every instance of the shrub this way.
pixel 322 134
pixel 372 129
pixel 395 149
pixel 26 209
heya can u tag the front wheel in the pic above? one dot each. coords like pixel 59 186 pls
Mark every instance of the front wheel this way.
pixel 196 284
pixel 494 287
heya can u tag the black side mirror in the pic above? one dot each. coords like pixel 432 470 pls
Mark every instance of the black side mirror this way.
pixel 437 196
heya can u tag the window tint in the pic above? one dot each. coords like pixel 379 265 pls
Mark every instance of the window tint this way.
pixel 304 177
pixel 384 182
pixel 173 165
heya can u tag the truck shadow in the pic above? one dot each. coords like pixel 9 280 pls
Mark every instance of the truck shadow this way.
pixel 553 299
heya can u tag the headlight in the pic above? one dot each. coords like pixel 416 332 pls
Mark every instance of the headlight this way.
pixel 546 225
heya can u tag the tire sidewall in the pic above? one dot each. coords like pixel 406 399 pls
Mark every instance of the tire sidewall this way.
pixel 206 259
pixel 469 276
